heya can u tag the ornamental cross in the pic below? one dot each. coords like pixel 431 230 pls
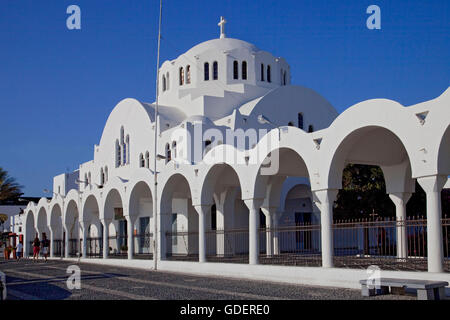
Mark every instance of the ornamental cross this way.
pixel 221 24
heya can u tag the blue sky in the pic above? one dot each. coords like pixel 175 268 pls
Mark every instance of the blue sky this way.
pixel 58 86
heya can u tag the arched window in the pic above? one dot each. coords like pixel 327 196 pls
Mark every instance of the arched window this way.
pixel 147 160
pixel 167 81
pixel 124 149
pixel 163 83
pixel 244 70
pixel 118 151
pixel 269 78
pixel 122 135
pixel 235 70
pixel 127 140
pixel 168 155
pixel 102 177
pixel 106 174
pixel 262 71
pixel 141 161
pixel 89 178
pixel 284 78
pixel 215 70
pixel 188 74
pixel 300 120
pixel 310 128
pixel 181 76
pixel 174 149
pixel 206 71
pixel 86 181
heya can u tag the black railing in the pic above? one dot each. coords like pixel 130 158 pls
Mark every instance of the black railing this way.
pixel 143 246
pixel 358 243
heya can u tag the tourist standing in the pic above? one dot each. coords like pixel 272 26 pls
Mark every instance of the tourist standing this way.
pixel 45 245
pixel 19 250
pixel 36 248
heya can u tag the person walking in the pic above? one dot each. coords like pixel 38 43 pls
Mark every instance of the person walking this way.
pixel 45 245
pixel 19 250
pixel 36 248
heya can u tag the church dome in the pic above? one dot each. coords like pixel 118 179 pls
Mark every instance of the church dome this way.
pixel 223 45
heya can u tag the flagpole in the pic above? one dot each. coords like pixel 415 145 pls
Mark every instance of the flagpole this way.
pixel 155 149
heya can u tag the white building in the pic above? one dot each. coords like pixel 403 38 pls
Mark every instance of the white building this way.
pixel 236 137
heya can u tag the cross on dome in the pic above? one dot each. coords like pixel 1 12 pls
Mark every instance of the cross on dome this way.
pixel 221 24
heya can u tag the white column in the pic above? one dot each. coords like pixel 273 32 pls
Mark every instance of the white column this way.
pixel 400 199
pixel 432 186
pixel 66 242
pixel 326 198
pixel 130 232
pixel 85 227
pixel 105 224
pixel 202 210
pixel 52 241
pixel 253 225
pixel 269 213
pixel 220 225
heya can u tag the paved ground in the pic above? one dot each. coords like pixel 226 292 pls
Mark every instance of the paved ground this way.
pixel 28 280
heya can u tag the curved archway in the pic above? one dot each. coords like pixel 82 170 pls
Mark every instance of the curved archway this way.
pixel 30 233
pixel 221 191
pixel 141 216
pixel 281 170
pixel 115 230
pixel 179 220
pixel 377 183
pixel 56 225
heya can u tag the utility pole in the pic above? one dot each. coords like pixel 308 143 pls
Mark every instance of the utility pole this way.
pixel 155 153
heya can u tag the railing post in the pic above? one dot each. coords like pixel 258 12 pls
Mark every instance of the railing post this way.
pixel 400 199
pixel 432 185
pixel 326 198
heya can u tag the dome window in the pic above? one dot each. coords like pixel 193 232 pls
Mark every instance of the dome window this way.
pixel 206 71
pixel 188 74
pixel 244 70
pixel 235 70
pixel 141 161
pixel 268 74
pixel 215 70
pixel 181 76
pixel 167 81
pixel 262 71
pixel 147 160
pixel 163 83
pixel 300 120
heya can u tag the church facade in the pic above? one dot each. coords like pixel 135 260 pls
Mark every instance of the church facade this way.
pixel 239 148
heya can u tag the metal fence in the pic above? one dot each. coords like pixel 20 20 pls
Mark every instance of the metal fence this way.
pixel 57 247
pixel 143 246
pixel 94 247
pixel 358 243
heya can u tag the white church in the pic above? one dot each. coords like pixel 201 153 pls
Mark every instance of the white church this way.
pixel 248 168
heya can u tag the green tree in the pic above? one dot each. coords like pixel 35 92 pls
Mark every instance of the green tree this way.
pixel 9 188
pixel 363 193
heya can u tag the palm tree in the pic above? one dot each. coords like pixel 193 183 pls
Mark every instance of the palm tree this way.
pixel 9 188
